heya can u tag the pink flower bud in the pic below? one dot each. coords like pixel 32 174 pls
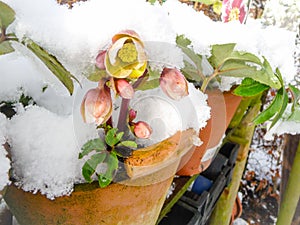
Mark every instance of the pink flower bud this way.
pixel 124 88
pixel 142 129
pixel 173 83
pixel 96 106
pixel 132 115
pixel 100 60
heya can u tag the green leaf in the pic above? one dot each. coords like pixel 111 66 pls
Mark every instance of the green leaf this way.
pixel 96 74
pixel 130 144
pixel 191 72
pixel 296 95
pixel 295 115
pixel 92 145
pixel 112 137
pixel 182 41
pixel 91 164
pixel 112 165
pixel 206 2
pixel 250 87
pixel 7 15
pixel 148 84
pixel 53 65
pixel 271 110
pixel 281 111
pixel 153 74
pixel 220 53
pixel 5 48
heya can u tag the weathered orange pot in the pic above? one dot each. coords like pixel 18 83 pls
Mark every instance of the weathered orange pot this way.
pixel 223 106
pixel 135 201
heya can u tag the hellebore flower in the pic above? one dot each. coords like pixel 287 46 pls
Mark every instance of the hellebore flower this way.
pixel 233 10
pixel 96 106
pixel 100 60
pixel 142 129
pixel 131 114
pixel 124 88
pixel 173 83
pixel 126 58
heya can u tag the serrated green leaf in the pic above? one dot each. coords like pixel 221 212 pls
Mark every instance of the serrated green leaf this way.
pixel 182 41
pixel 92 145
pixel 112 137
pixel 219 53
pixel 112 165
pixel 190 72
pixel 130 144
pixel 271 110
pixel 53 65
pixel 96 75
pixel 7 15
pixel 250 87
pixel 91 164
pixel 5 48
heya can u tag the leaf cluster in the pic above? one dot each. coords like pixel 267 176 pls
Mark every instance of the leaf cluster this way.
pixel 103 156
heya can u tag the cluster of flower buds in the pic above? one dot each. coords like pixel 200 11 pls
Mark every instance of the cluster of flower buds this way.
pixel 125 62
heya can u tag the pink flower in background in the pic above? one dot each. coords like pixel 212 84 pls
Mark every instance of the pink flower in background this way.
pixel 96 106
pixel 173 83
pixel 233 10
pixel 142 129
pixel 100 60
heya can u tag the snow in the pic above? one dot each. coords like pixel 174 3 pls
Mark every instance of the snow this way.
pixel 44 151
pixel 4 161
pixel 46 138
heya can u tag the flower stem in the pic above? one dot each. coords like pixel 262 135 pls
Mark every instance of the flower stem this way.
pixel 122 122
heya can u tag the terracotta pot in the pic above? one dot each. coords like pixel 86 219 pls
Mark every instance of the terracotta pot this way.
pixel 134 201
pixel 223 106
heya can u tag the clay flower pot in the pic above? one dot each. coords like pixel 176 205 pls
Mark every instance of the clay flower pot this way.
pixel 223 106
pixel 134 201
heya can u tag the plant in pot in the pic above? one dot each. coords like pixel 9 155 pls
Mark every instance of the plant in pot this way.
pixel 130 121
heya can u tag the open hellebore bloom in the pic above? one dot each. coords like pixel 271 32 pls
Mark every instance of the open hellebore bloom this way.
pixel 96 106
pixel 233 10
pixel 124 88
pixel 173 83
pixel 126 58
pixel 142 129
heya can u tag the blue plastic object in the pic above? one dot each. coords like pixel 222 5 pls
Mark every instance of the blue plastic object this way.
pixel 201 184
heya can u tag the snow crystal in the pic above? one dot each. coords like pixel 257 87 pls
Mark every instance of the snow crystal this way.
pixel 4 161
pixel 45 151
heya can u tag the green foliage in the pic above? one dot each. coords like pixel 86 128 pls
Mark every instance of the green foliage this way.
pixel 192 69
pixel 277 107
pixel 105 156
pixel 295 111
pixel 7 15
pixel 92 145
pixel 150 81
pixel 96 74
pixel 206 2
pixel 250 87
pixel 53 64
pixel 113 137
pixel 91 164
pixel 5 48
pixel 242 64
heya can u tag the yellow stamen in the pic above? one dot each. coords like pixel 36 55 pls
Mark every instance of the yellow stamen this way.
pixel 128 53
pixel 234 14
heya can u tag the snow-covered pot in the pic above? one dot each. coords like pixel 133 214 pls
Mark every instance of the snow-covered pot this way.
pixel 223 106
pixel 135 201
